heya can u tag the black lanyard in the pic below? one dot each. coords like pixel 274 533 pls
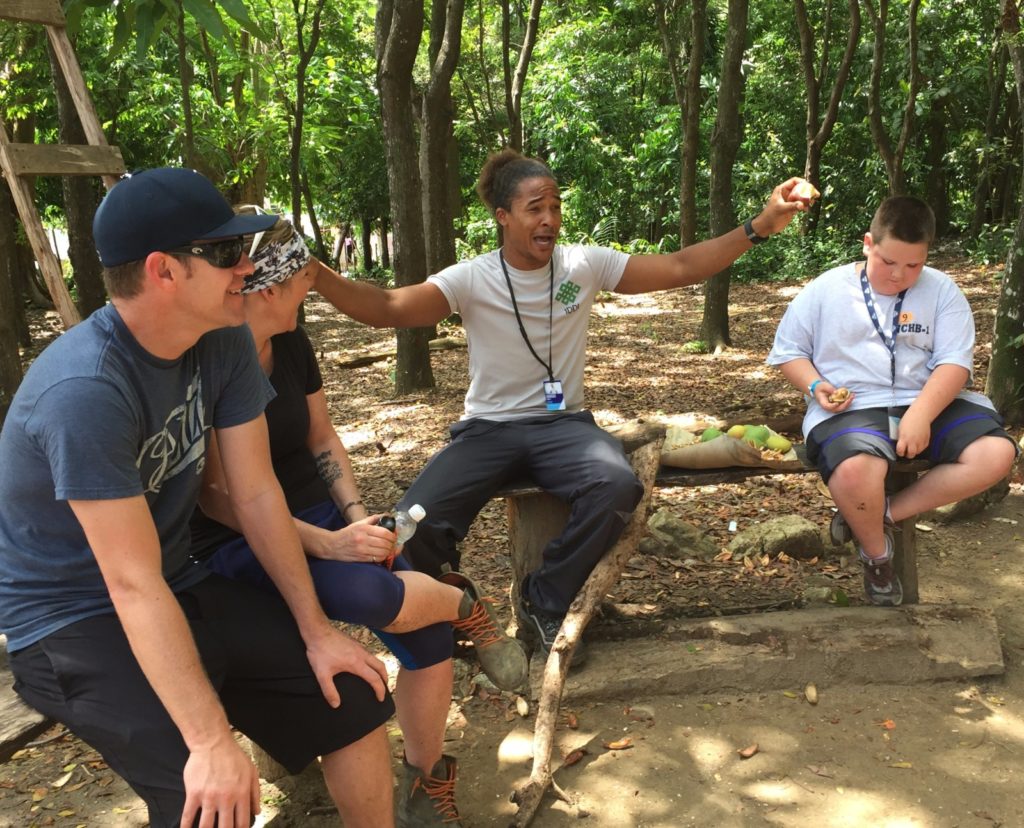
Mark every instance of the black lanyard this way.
pixel 874 312
pixel 519 319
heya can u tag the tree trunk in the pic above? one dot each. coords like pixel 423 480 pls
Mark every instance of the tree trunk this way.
pixel 691 127
pixel 1007 206
pixel 399 27
pixel 983 190
pixel 253 188
pixel 188 140
pixel 385 245
pixel 1006 370
pixel 936 183
pixel 306 52
pixel 12 309
pixel 1002 210
pixel 892 156
pixel 686 85
pixel 437 135
pixel 81 197
pixel 515 83
pixel 365 238
pixel 819 129
pixel 318 236
pixel 725 142
pixel 12 317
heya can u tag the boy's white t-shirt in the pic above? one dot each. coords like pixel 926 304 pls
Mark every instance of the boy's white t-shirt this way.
pixel 828 323
pixel 506 381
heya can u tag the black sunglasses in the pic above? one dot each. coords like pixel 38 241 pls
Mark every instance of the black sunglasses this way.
pixel 224 253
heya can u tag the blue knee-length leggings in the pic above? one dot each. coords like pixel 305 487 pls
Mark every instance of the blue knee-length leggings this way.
pixel 357 593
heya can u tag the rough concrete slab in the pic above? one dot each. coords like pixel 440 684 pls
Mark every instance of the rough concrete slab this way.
pixel 779 650
pixel 18 721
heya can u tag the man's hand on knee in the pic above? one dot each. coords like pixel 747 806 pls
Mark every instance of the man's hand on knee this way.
pixel 337 653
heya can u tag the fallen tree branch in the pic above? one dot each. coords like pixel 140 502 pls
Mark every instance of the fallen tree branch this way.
pixel 444 343
pixel 645 462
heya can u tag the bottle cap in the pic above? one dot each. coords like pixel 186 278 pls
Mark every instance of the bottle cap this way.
pixel 417 512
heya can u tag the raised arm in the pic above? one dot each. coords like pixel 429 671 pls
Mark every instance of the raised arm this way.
pixel 703 260
pixel 219 777
pixel 413 306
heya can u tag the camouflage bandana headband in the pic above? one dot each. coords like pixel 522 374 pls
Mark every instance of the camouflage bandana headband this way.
pixel 276 261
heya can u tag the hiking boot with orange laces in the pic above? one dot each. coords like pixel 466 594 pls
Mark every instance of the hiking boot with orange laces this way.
pixel 425 800
pixel 501 657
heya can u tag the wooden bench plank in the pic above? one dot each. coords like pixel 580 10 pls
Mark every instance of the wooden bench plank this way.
pixel 65 159
pixel 19 723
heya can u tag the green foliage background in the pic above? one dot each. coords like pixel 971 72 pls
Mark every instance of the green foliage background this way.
pixel 598 107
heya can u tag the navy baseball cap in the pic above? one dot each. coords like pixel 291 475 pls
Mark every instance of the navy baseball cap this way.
pixel 164 208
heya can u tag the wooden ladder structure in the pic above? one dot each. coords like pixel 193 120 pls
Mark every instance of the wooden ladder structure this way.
pixel 20 163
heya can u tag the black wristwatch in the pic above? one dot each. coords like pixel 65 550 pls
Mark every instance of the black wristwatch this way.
pixel 748 228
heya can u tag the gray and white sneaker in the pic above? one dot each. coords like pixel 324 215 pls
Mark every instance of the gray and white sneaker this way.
pixel 543 627
pixel 881 583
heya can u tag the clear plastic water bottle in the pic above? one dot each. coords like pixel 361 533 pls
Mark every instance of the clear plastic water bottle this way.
pixel 403 523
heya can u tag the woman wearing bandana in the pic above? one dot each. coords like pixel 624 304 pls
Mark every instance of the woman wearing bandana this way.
pixel 357 575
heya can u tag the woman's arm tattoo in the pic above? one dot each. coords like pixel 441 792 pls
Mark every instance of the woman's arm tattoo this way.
pixel 327 467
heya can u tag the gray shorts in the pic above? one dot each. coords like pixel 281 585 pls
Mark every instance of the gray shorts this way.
pixel 86 676
pixel 866 431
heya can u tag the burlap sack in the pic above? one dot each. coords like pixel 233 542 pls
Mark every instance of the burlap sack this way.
pixel 723 452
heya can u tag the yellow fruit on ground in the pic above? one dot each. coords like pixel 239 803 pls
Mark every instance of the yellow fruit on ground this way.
pixel 737 431
pixel 776 442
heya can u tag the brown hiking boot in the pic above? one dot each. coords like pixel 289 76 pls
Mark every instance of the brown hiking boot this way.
pixel 501 657
pixel 427 800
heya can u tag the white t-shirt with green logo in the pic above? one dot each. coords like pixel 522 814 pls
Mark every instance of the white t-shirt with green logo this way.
pixel 505 380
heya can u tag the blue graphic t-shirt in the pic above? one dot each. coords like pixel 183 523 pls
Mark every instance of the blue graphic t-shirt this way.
pixel 97 418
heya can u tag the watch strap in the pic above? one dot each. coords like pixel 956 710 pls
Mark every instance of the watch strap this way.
pixel 748 228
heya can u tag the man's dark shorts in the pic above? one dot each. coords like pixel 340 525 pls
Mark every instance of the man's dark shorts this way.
pixel 85 676
pixel 866 431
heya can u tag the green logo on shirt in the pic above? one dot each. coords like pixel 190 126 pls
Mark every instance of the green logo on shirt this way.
pixel 567 292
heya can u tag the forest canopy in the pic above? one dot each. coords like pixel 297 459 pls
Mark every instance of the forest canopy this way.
pixel 639 106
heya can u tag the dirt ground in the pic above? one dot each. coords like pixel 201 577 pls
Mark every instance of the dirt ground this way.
pixel 937 755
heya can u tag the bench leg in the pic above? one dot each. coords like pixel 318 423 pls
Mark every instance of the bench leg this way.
pixel 533 520
pixel 905 552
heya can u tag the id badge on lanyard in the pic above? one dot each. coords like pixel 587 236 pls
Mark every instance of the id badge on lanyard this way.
pixel 554 399
pixel 888 341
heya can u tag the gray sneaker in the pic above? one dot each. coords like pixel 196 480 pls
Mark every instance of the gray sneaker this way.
pixel 881 583
pixel 839 530
pixel 501 657
pixel 543 627
pixel 427 800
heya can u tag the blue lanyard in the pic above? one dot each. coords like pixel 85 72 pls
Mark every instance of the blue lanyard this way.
pixel 875 313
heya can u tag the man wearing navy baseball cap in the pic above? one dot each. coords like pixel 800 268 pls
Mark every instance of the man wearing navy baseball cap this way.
pixel 111 628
